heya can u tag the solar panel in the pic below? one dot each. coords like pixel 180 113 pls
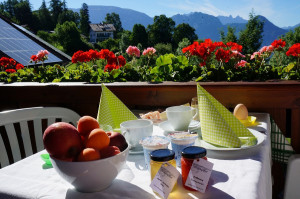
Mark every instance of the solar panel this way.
pixel 18 46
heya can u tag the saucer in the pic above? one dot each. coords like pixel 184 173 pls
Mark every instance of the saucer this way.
pixel 167 128
pixel 136 152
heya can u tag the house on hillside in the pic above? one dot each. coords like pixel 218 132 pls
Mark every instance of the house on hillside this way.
pixel 20 44
pixel 101 32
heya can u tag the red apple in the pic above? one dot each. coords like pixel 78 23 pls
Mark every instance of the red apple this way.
pixel 62 141
pixel 109 151
pixel 117 139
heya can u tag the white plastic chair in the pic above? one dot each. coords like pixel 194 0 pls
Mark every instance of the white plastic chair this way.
pixel 28 119
pixel 291 190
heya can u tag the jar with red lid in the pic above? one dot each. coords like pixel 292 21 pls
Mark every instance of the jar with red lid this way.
pixel 188 155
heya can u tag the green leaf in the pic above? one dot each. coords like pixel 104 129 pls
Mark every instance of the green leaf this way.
pixel 115 73
pixel 199 79
pixel 164 60
pixel 289 67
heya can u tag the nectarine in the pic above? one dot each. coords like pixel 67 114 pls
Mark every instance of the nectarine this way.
pixel 97 139
pixel 88 154
pixel 86 124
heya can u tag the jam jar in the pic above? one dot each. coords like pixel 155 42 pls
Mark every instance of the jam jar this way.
pixel 188 155
pixel 158 158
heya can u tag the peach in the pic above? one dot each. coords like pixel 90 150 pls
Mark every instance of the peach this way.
pixel 86 124
pixel 88 154
pixel 97 139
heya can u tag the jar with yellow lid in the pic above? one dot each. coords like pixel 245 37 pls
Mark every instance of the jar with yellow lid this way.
pixel 158 158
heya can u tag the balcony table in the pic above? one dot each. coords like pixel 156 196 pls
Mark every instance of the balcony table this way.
pixel 246 178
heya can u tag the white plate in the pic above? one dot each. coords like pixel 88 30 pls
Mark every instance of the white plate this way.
pixel 230 153
pixel 167 128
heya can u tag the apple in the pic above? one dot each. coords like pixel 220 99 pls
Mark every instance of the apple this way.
pixel 109 151
pixel 62 141
pixel 117 139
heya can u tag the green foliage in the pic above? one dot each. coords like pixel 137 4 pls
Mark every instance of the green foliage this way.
pixel 45 20
pixel 291 37
pixel 161 30
pixel 182 44
pixel 162 49
pixel 139 35
pixel 182 31
pixel 112 44
pixel 114 19
pixel 56 7
pixel 68 15
pixel 69 37
pixel 84 23
pixel 125 41
pixel 230 36
pixel 251 37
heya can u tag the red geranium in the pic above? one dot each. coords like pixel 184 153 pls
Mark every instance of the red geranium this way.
pixel 223 55
pixel 10 70
pixel 114 62
pixel 294 50
pixel 19 66
pixel 104 54
pixel 121 60
pixel 110 67
pixel 277 44
pixel 234 46
pixel 9 65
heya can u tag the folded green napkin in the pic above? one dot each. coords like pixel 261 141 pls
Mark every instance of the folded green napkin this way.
pixel 112 111
pixel 219 126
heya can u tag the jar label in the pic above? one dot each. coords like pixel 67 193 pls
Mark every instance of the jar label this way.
pixel 199 175
pixel 164 180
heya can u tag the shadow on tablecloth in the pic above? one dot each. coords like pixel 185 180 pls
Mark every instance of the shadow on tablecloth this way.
pixel 119 189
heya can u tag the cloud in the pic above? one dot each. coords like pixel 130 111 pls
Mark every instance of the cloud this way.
pixel 221 7
pixel 188 6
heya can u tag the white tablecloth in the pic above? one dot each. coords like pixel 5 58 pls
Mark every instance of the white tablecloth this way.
pixel 246 178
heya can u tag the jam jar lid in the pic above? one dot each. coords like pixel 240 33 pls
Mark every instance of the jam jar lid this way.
pixel 162 155
pixel 193 152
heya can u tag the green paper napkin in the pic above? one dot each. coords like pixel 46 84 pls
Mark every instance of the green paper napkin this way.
pixel 219 126
pixel 111 110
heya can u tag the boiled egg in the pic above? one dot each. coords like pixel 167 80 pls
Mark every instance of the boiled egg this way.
pixel 241 112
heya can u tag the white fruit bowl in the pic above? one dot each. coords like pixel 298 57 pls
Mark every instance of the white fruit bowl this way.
pixel 91 176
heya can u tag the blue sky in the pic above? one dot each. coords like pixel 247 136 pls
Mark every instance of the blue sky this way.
pixel 280 12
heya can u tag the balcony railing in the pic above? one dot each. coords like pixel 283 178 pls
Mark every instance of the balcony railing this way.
pixel 280 99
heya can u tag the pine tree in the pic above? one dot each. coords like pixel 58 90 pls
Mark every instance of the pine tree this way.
pixel 84 23
pixel 56 7
pixel 251 37
pixel 44 16
pixel 230 36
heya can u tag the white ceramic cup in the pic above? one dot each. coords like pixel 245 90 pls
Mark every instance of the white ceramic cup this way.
pixel 136 130
pixel 179 117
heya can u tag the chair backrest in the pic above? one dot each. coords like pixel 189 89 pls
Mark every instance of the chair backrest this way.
pixel 291 190
pixel 21 130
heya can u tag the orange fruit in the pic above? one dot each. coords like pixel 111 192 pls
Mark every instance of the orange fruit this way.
pixel 97 139
pixel 86 124
pixel 88 154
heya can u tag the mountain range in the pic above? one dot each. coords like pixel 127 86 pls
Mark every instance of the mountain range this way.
pixel 206 26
